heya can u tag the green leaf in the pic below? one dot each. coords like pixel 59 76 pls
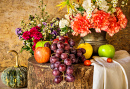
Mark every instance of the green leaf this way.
pixel 81 9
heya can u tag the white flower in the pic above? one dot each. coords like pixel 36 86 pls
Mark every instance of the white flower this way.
pixel 114 1
pixel 44 34
pixel 89 15
pixel 63 23
pixel 113 10
pixel 62 33
pixel 103 5
pixel 39 25
pixel 86 4
pixel 41 20
pixel 104 8
pixel 89 12
pixel 114 5
pixel 32 21
pixel 57 22
pixel 123 2
pixel 49 31
pixel 67 16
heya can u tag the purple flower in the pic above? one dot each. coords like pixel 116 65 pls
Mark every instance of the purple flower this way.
pixel 51 24
pixel 44 23
pixel 58 29
pixel 51 28
pixel 18 31
pixel 58 19
pixel 54 32
pixel 20 37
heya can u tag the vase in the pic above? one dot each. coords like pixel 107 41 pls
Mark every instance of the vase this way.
pixel 95 39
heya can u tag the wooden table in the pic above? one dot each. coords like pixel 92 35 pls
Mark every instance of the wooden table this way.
pixel 40 77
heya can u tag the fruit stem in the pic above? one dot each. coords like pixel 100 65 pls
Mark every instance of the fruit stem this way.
pixel 52 54
pixel 63 75
pixel 17 63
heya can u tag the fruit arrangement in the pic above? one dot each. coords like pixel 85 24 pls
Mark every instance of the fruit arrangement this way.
pixel 61 53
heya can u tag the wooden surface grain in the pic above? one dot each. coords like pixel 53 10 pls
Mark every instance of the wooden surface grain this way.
pixel 40 77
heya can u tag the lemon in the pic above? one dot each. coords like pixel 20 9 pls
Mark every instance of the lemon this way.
pixel 88 48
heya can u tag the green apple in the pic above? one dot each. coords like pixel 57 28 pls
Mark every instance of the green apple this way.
pixel 106 51
pixel 41 43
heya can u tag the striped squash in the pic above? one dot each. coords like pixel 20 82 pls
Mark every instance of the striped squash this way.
pixel 15 77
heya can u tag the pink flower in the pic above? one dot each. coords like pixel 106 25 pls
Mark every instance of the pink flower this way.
pixel 37 35
pixel 81 25
pixel 113 26
pixel 36 40
pixel 116 23
pixel 34 30
pixel 26 35
pixel 122 21
pixel 100 20
pixel 33 47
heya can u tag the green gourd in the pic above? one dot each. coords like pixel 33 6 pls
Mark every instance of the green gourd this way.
pixel 16 76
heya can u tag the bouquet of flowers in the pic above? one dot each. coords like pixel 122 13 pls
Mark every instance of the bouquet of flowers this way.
pixel 38 29
pixel 84 15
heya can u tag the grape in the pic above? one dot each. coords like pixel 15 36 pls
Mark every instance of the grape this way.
pixel 57 55
pixel 62 38
pixel 71 56
pixel 60 45
pixel 67 46
pixel 47 44
pixel 56 72
pixel 68 61
pixel 69 78
pixel 53 59
pixel 64 56
pixel 56 64
pixel 74 60
pixel 54 46
pixel 54 51
pixel 71 42
pixel 70 66
pixel 67 51
pixel 62 67
pixel 59 51
pixel 82 50
pixel 58 79
pixel 52 66
pixel 69 70
pixel 83 58
pixel 77 60
pixel 73 51
pixel 79 53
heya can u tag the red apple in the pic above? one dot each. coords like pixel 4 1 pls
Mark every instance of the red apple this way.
pixel 42 54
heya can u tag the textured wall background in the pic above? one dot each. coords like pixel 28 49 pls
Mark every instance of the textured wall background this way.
pixel 13 11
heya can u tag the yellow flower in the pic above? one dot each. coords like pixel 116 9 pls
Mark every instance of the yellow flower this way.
pixel 64 3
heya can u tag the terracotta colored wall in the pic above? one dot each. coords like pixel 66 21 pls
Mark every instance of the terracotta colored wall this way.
pixel 13 11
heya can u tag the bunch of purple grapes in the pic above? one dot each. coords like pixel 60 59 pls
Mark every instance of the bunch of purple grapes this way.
pixel 63 56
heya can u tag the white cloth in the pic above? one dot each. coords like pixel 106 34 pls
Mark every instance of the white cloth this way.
pixel 115 75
